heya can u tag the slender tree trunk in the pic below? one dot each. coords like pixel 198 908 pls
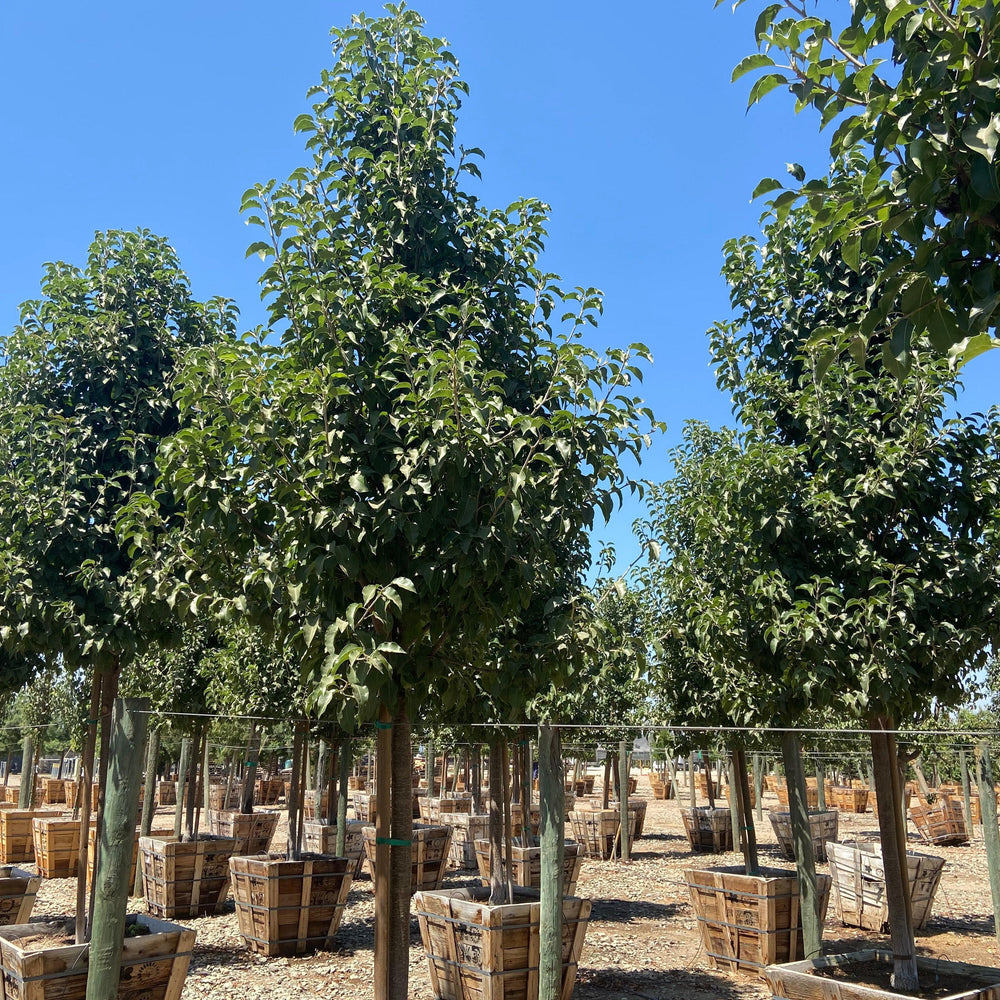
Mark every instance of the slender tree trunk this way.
pixel 183 767
pixel 26 791
pixel 623 769
pixel 918 770
pixel 991 833
pixel 692 793
pixel 526 779
pixel 148 802
pixel 329 814
pixel 498 890
pixel 820 786
pixel 477 779
pixel 893 836
pixel 758 785
pixel 967 791
pixel 383 827
pixel 429 767
pixel 345 774
pixel 86 793
pixel 709 784
pixel 250 770
pixel 805 861
pixel 735 813
pixel 400 856
pixel 296 792
pixel 552 839
pixel 62 761
pixel 748 840
pixel 116 837
pixel 6 769
pixel 507 832
pixel 606 794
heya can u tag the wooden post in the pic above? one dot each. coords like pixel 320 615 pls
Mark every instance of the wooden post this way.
pixel 250 770
pixel 691 789
pixel 606 794
pixel 526 781
pixel 820 785
pixel 148 802
pixel 345 774
pixel 86 779
pixel 749 838
pixel 182 779
pixel 626 854
pixel 497 882
pixel 26 791
pixel 967 790
pixel 805 861
pixel 918 770
pixel 991 834
pixel 553 841
pixel 116 836
pixel 400 852
pixel 709 785
pixel 758 785
pixel 383 826
pixel 735 816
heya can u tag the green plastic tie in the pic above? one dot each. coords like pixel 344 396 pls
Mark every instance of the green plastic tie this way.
pixel 393 842
pixel 383 725
pixel 250 763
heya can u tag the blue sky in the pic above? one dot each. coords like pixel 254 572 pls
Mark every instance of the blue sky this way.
pixel 622 118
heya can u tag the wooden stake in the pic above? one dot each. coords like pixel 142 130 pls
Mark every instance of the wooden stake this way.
pixel 149 800
pixel 345 774
pixel 26 791
pixel 967 791
pixel 182 778
pixel 623 769
pixel 383 826
pixel 85 790
pixel 991 834
pixel 758 785
pixel 553 841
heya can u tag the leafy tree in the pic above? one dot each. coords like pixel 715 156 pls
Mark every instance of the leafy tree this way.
pixel 910 88
pixel 383 485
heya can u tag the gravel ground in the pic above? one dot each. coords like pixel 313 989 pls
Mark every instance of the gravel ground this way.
pixel 642 942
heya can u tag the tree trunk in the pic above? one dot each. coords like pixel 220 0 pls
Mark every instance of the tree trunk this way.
pixel 526 780
pixel 918 770
pixel 477 779
pixel 26 791
pixel 805 862
pixel 183 766
pixel 758 784
pixel 400 855
pixel 86 787
pixel 606 794
pixel 626 840
pixel 967 791
pixel 116 838
pixel 820 786
pixel 991 833
pixel 553 841
pixel 345 774
pixel 709 784
pixel 383 825
pixel 498 889
pixel 250 770
pixel 893 836
pixel 296 792
pixel 748 838
pixel 148 802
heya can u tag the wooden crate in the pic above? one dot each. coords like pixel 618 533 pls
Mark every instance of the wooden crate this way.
pixel 466 829
pixel 52 791
pixel 797 979
pixel 526 859
pixel 428 855
pixel 432 810
pixel 320 838
pixel 859 885
pixel 588 784
pixel 364 807
pixel 596 830
pixel 752 790
pixel 218 800
pixel 355 783
pixel 481 952
pixel 639 805
pixel 702 782
pixel 268 791
pixel 290 907
pixel 16 844
pixel 185 879
pixel 251 831
pixel 18 889
pixel 940 823
pixel 823 827
pixel 812 796
pixel 750 921
pixel 708 830
pixel 309 804
pixel 92 851
pixel 154 965
pixel 534 820
pixel 873 800
pixel 661 789
pixel 57 845
pixel 166 793
pixel 852 800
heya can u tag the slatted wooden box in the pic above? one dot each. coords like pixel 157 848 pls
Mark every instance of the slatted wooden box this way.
pixel 940 823
pixel 702 782
pixel 466 829
pixel 750 921
pixel 852 800
pixel 185 879
pixel 355 783
pixel 364 807
pixel 18 889
pixel 752 791
pixel 16 844
pixel 859 898
pixel 812 796
pixel 534 819
pixel 154 965
pixel 596 831
pixel 320 838
pixel 823 827
pixel 481 952
pixel 92 851
pixel 433 810
pixel 57 845
pixel 218 801
pixel 268 791
pixel 428 855
pixel 290 907
pixel 252 832
pixel 526 859
pixel 166 793
pixel 661 789
pixel 708 830
pixel 52 791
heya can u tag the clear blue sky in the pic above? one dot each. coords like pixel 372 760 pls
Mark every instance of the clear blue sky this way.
pixel 118 115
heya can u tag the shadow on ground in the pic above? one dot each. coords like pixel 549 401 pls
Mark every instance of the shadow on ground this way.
pixel 648 984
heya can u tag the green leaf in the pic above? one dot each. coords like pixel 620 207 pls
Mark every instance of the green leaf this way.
pixel 756 60
pixel 766 186
pixel 797 171
pixel 764 85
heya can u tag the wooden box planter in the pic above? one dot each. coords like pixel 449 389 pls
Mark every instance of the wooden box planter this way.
pixel 812 796
pixel 52 791
pixel 750 921
pixel 859 885
pixel 429 855
pixel 753 794
pixel 702 782
pixel 588 785
pixel 852 800
pixel 466 829
pixel 290 907
pixel 219 801
pixel 823 827
pixel 92 851
pixel 527 864
pixel 596 831
pixel 16 844
pixel 639 805
pixel 873 801
pixel 57 845
pixel 185 880
pixel 268 791
pixel 661 789
pixel 709 830
pixel 517 820
pixel 166 793
pixel 480 952
pixel 251 831
pixel 433 810
pixel 355 784
pixel 799 981
pixel 940 823
pixel 309 804
pixel 364 807
pixel 321 838
pixel 18 889
pixel 154 965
